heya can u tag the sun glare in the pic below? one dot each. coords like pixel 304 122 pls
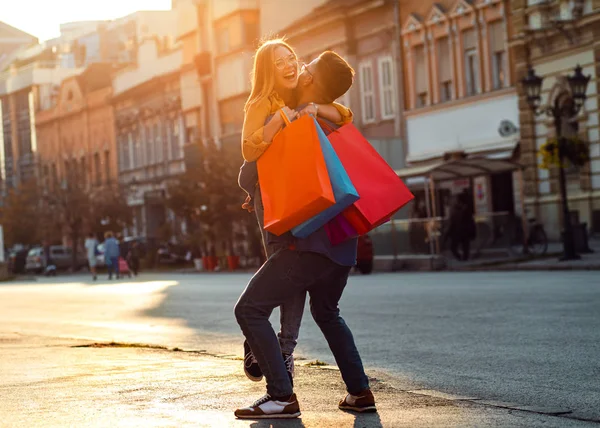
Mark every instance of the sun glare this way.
pixel 42 18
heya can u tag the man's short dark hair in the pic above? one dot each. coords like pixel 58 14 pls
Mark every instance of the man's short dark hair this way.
pixel 335 75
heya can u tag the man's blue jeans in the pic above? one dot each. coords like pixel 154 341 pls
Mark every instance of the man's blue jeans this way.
pixel 286 274
pixel 113 266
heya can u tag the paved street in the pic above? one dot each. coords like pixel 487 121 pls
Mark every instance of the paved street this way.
pixel 527 338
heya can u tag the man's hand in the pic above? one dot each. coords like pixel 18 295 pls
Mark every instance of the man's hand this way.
pixel 311 108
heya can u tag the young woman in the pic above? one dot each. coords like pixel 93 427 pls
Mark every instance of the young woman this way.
pixel 274 81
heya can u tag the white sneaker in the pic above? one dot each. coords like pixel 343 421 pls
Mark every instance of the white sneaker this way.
pixel 268 408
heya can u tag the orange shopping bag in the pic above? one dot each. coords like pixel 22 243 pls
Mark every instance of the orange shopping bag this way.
pixel 293 177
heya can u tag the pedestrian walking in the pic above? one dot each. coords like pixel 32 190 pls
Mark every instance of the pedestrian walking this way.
pixel 111 254
pixel 462 229
pixel 91 247
pixel 133 258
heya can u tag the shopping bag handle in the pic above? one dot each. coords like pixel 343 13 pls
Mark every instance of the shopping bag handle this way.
pixel 326 126
pixel 286 119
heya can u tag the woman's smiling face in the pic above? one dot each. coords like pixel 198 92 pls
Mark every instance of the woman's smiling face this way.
pixel 285 65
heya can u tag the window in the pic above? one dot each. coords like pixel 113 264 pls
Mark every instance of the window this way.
pixel 67 174
pixel 472 71
pixel 444 69
pixel 138 158
pixel 223 40
pixel 97 170
pixel 421 84
pixel 46 177
pixel 130 150
pixel 107 166
pixel 446 91
pixel 83 169
pixel 566 8
pixel 7 165
pixel 367 95
pixel 498 53
pixel 124 159
pixel 23 123
pixel 231 115
pixel 252 32
pixel 158 147
pixel 471 62
pixel 176 149
pixel 149 143
pixel 386 87
pixel 54 176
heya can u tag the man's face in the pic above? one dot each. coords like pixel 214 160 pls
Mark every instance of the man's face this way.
pixel 307 75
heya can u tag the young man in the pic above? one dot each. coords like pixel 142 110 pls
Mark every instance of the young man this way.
pixel 312 266
pixel 336 78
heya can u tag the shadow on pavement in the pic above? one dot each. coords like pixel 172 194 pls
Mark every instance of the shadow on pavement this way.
pixel 287 423
pixel 371 420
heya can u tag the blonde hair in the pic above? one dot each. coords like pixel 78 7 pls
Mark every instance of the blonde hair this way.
pixel 263 74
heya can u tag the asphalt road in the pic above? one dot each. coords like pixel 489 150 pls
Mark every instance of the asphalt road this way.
pixel 527 338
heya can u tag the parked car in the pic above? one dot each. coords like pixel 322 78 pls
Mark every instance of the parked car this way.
pixel 169 253
pixel 17 258
pixel 61 257
pixel 364 257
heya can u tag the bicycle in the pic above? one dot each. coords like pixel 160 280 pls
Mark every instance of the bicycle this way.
pixel 536 242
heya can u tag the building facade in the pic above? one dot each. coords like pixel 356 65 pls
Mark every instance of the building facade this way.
pixel 198 100
pixel 34 74
pixel 460 93
pixel 554 37
pixel 76 136
pixel 366 33
pixel 150 134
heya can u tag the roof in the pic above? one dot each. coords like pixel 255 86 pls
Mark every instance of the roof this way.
pixel 15 32
pixel 459 168
pixel 325 10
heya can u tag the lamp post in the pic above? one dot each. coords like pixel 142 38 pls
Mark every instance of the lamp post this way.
pixel 566 109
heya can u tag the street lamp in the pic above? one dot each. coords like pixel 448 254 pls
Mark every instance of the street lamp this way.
pixel 532 85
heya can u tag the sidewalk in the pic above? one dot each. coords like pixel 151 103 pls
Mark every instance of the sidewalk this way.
pixel 550 261
pixel 49 382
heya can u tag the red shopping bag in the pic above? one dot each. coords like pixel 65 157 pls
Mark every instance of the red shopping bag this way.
pixel 339 230
pixel 294 181
pixel 381 191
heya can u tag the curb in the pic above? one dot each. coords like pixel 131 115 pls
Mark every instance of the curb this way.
pixel 548 411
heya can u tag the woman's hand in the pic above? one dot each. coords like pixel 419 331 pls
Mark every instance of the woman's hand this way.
pixel 291 114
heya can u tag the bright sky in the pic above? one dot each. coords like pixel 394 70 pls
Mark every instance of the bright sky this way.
pixel 42 18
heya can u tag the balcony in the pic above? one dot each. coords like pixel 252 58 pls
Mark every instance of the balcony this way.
pixel 37 73
pixel 224 8
pixel 150 66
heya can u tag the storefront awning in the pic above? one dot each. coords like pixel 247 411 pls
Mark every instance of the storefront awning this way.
pixel 459 168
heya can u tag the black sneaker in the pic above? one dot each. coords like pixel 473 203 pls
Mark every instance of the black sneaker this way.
pixel 270 408
pixel 251 368
pixel 289 365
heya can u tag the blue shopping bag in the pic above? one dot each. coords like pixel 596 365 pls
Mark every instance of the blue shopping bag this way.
pixel 343 190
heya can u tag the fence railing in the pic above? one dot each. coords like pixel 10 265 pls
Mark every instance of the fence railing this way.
pixel 497 232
